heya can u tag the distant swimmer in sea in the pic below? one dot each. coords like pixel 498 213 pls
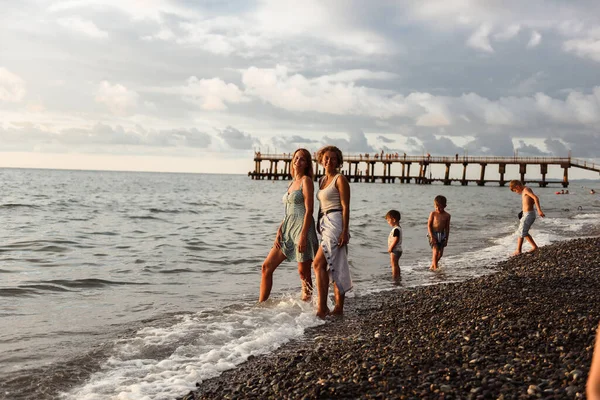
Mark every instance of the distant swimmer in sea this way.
pixel 296 237
pixel 528 199
pixel 592 191
pixel 438 230
pixel 334 220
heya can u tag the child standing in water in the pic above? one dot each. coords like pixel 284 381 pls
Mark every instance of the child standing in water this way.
pixel 438 228
pixel 528 199
pixel 394 241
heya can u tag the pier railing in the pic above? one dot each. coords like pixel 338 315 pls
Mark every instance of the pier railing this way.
pixel 369 162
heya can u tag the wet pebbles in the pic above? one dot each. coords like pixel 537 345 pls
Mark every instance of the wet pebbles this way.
pixel 524 332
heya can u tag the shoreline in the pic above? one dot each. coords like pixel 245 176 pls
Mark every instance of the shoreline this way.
pixel 525 331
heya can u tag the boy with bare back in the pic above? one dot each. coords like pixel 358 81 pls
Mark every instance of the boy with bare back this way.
pixel 438 228
pixel 526 220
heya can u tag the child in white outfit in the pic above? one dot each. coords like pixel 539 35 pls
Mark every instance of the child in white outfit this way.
pixel 394 241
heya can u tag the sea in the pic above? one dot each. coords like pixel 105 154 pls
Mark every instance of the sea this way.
pixel 131 285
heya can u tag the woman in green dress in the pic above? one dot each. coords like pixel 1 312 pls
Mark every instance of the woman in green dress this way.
pixel 296 237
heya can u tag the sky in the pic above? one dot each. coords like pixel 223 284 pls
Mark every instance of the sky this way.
pixel 198 86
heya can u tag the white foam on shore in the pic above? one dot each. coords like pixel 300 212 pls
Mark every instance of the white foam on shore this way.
pixel 201 346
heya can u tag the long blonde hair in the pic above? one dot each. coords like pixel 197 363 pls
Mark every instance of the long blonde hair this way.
pixel 309 168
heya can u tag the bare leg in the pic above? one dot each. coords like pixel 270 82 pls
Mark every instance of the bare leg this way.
pixel 519 246
pixel 395 266
pixel 272 261
pixel 532 243
pixel 306 279
pixel 439 256
pixel 434 258
pixel 322 278
pixel 339 301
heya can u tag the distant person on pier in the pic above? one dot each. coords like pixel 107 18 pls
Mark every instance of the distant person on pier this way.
pixel 394 242
pixel 296 237
pixel 438 229
pixel 333 225
pixel 528 200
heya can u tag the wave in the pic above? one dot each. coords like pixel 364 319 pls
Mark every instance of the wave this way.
pixel 18 205
pixel 91 283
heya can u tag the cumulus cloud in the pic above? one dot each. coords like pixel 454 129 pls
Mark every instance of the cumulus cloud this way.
pixel 440 145
pixel 12 87
pixel 79 25
pixel 325 94
pixel 525 149
pixel 384 139
pixel 584 47
pixel 212 94
pixel 508 33
pixel 556 147
pixel 480 39
pixel 237 139
pixel 356 142
pixel 118 99
pixel 492 145
pixel 535 39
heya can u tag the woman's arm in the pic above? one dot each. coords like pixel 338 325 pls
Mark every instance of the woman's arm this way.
pixel 344 188
pixel 308 190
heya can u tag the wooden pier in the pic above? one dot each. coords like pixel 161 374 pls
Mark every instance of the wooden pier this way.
pixel 378 167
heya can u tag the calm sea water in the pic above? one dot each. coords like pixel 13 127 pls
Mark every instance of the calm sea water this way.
pixel 118 285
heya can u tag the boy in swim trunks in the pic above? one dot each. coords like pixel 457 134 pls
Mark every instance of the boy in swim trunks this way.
pixel 528 199
pixel 394 241
pixel 438 228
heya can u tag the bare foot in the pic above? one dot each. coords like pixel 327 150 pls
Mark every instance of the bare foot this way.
pixel 337 311
pixel 323 314
pixel 306 296
pixel 516 253
pixel 433 267
pixel 533 250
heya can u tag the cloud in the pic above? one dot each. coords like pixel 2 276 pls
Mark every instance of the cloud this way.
pixel 508 33
pixel 356 142
pixel 556 147
pixel 329 94
pixel 480 39
pixel 438 145
pixel 535 40
pixel 118 99
pixel 12 87
pixel 492 145
pixel 101 138
pixel 237 139
pixel 383 139
pixel 212 94
pixel 530 150
pixel 584 47
pixel 85 27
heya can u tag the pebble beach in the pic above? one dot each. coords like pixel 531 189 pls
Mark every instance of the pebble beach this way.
pixel 526 331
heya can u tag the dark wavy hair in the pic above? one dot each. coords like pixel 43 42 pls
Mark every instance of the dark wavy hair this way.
pixel 338 153
pixel 309 167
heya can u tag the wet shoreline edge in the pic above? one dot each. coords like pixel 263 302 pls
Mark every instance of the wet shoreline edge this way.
pixel 525 331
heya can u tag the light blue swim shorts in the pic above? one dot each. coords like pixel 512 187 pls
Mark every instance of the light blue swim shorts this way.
pixel 525 223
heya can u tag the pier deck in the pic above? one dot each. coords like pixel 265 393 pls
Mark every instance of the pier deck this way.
pixel 362 168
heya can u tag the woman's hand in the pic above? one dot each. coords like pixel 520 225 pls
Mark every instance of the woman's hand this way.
pixel 343 239
pixel 302 243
